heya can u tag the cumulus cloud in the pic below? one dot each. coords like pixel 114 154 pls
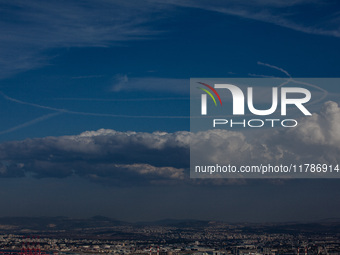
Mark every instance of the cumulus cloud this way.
pixel 315 140
pixel 138 157
pixel 99 155
pixel 321 129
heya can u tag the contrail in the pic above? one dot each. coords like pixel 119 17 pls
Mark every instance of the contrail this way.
pixel 263 76
pixel 29 123
pixel 274 67
pixel 89 113
pixel 58 111
pixel 31 104
pixel 123 99
pixel 290 79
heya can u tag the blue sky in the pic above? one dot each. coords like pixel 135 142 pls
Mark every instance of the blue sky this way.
pixel 179 43
pixel 69 67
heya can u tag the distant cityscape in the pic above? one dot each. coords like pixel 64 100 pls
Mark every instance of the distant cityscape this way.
pixel 60 235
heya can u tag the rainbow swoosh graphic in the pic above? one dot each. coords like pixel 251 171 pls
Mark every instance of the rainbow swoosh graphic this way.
pixel 209 93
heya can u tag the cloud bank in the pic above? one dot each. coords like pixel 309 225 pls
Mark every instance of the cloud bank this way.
pixel 98 155
pixel 118 158
pixel 314 140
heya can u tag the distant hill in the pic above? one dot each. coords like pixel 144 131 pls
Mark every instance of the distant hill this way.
pixel 176 223
pixel 56 223
pixel 106 225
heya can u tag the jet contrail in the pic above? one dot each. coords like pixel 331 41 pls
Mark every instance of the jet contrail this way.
pixel 29 123
pixel 60 110
pixel 290 79
pixel 274 67
pixel 122 99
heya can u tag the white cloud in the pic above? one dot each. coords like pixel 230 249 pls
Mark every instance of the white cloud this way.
pixel 140 157
pixel 321 129
pixel 315 140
